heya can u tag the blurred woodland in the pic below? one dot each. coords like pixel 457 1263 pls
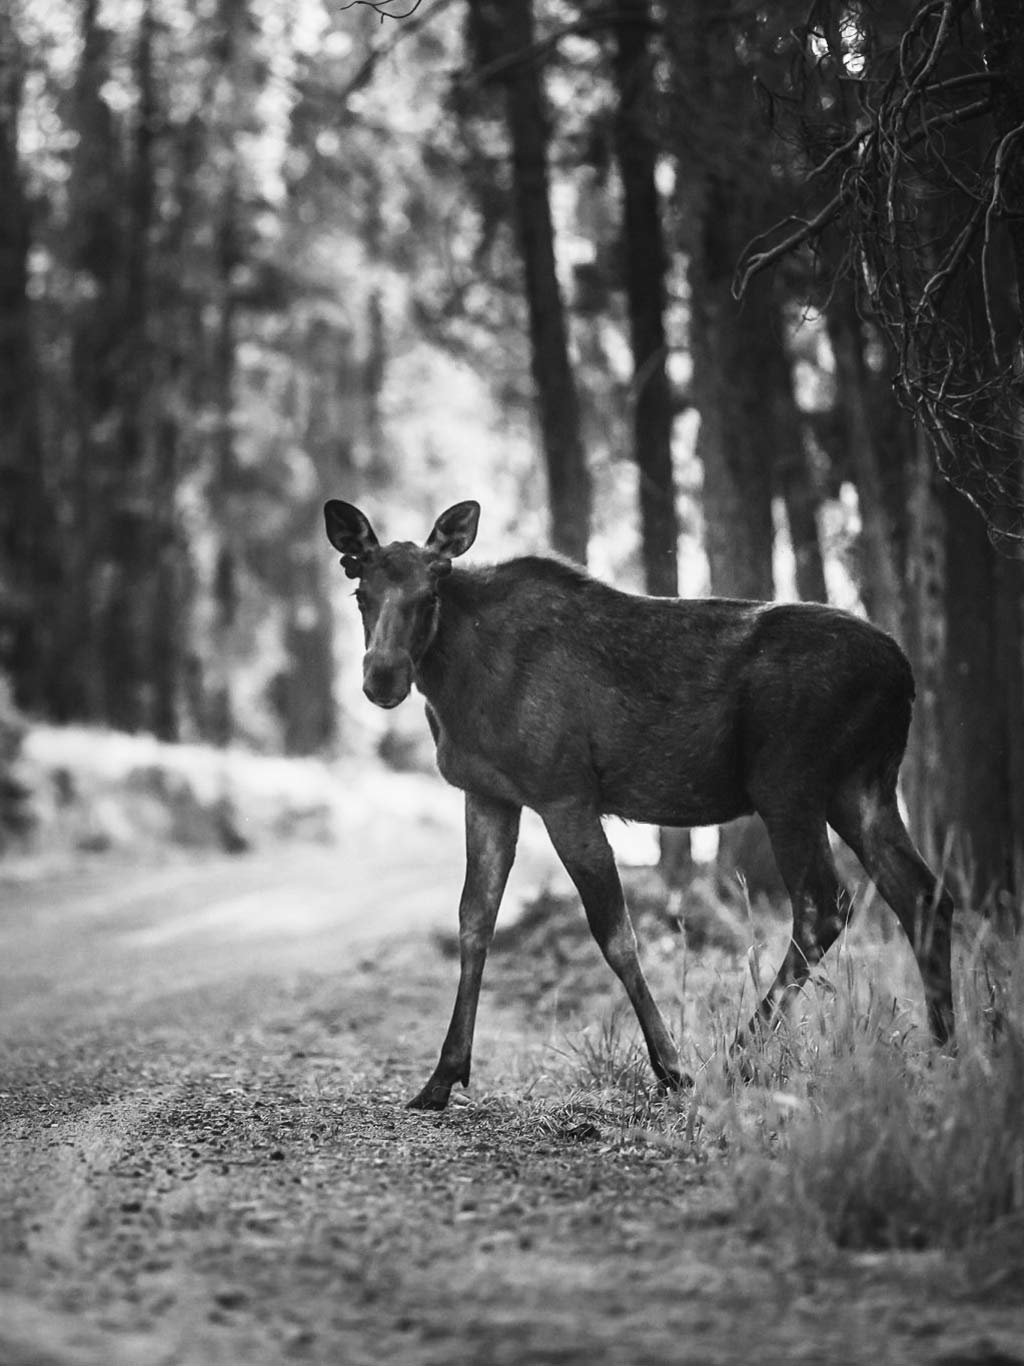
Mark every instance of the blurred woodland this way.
pixel 724 298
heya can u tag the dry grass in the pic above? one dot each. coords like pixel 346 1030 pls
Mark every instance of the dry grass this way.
pixel 896 1146
pixel 849 1125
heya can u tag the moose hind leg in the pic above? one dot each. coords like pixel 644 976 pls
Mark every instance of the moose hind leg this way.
pixel 492 828
pixel 819 901
pixel 581 845
pixel 870 823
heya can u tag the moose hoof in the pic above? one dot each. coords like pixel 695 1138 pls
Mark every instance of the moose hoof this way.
pixel 674 1080
pixel 434 1096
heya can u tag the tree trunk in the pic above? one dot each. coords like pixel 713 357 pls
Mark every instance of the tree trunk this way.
pixel 880 577
pixel 132 549
pixel 181 386
pixel 719 196
pixel 225 512
pixel 1004 51
pixel 981 703
pixel 163 640
pixel 925 587
pixel 28 567
pixel 506 30
pixel 308 705
pixel 339 405
pixel 1004 56
pixel 738 536
pixel 95 193
pixel 646 266
pixel 227 573
pixel 735 441
pixel 795 478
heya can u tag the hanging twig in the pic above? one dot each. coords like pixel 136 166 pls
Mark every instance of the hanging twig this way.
pixel 999 170
pixel 598 22
pixel 380 7
pixel 859 146
pixel 921 212
pixel 369 65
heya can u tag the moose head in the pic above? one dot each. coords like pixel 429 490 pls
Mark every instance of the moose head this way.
pixel 397 590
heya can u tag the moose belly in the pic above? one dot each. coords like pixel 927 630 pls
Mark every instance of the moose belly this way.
pixel 675 779
pixel 682 806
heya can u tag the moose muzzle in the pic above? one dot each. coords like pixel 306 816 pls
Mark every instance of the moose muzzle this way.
pixel 387 677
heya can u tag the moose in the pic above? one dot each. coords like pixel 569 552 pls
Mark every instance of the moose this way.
pixel 549 689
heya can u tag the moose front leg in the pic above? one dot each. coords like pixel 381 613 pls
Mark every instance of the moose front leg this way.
pixel 580 843
pixel 492 828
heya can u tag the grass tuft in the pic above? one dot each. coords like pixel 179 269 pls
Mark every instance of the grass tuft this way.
pixel 841 1120
pixel 899 1147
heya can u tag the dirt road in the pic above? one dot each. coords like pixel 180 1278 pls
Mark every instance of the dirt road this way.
pixel 205 1156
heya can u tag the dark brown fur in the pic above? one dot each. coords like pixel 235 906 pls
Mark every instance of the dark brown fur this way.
pixel 548 689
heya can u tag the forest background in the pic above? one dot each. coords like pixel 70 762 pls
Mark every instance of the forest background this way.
pixel 714 298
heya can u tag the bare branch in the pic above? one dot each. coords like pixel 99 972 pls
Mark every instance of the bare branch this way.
pixel 923 211
pixel 928 304
pixel 916 82
pixel 380 7
pixel 807 230
pixel 859 146
pixel 999 170
pixel 597 22
pixel 369 65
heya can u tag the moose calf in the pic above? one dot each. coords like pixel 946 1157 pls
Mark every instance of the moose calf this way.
pixel 548 689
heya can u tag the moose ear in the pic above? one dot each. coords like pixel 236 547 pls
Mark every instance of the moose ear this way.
pixel 349 531
pixel 455 530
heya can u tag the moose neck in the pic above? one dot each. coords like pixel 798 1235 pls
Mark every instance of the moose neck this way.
pixel 444 673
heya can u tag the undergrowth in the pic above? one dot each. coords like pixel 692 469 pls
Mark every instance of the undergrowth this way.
pixel 897 1146
pixel 843 1120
